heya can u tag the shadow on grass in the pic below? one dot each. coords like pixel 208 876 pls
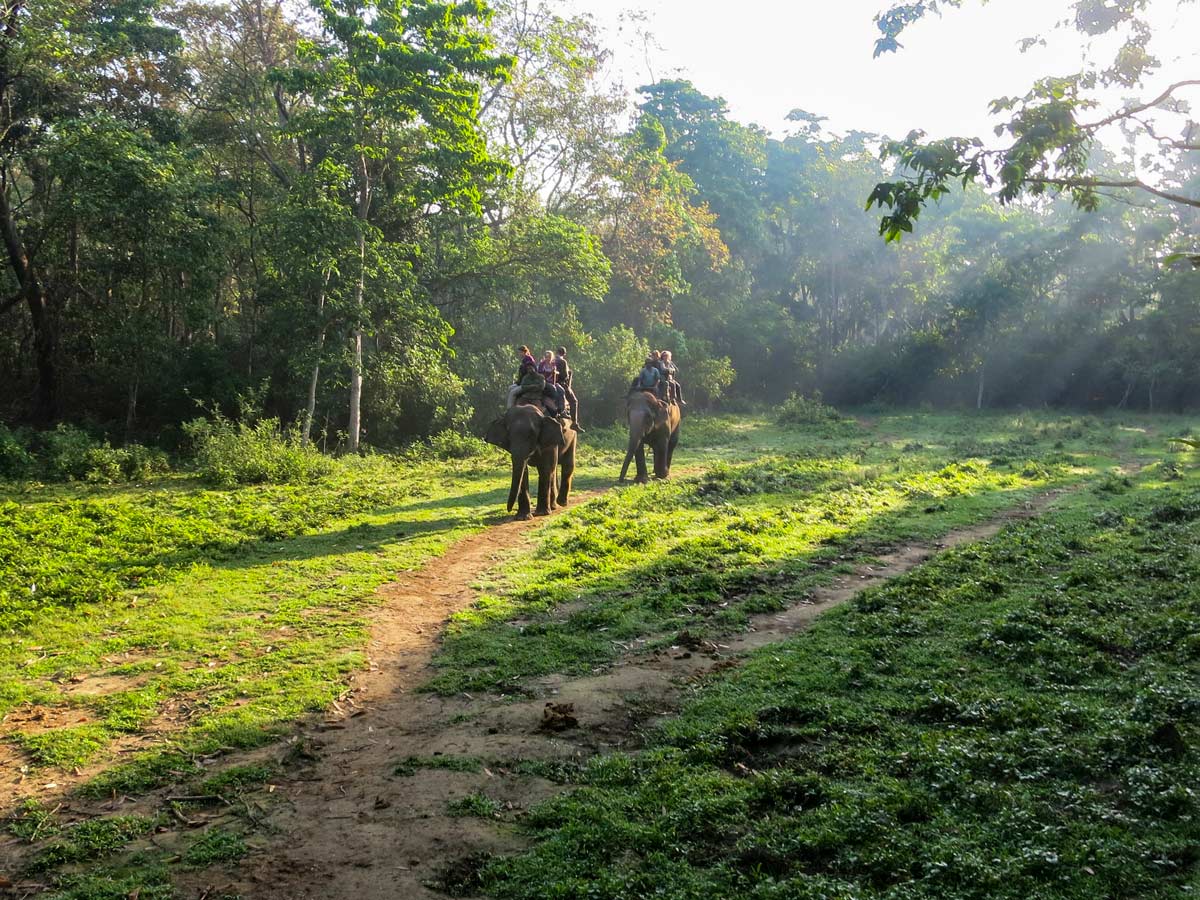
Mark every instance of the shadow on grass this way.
pixel 699 585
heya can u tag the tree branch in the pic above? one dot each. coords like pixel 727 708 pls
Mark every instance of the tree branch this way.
pixel 1142 107
pixel 1134 183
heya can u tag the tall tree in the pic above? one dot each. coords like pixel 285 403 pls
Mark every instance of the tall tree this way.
pixel 392 91
pixel 61 60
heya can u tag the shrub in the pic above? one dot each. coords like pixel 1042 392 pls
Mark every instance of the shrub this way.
pixel 65 453
pixel 143 462
pixel 801 410
pixel 451 444
pixel 228 453
pixel 16 462
pixel 135 462
pixel 69 454
pixel 104 464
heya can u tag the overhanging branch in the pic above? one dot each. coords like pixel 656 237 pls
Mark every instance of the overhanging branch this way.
pixel 1134 184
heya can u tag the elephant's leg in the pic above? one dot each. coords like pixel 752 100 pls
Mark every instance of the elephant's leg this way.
pixel 523 511
pixel 567 466
pixel 671 444
pixel 642 477
pixel 629 454
pixel 660 459
pixel 547 469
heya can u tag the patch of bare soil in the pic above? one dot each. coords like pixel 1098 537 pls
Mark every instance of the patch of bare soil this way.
pixel 347 826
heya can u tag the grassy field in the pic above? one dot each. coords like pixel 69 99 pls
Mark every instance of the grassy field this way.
pixel 146 628
pixel 1015 719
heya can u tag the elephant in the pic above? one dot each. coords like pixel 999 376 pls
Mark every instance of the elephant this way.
pixel 655 423
pixel 531 436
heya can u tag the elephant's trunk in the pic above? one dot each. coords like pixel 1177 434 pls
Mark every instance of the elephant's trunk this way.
pixel 517 476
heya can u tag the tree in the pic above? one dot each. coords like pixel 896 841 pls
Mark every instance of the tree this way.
pixel 62 60
pixel 392 90
pixel 1053 130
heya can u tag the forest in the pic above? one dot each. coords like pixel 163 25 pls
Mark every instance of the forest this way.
pixel 271 211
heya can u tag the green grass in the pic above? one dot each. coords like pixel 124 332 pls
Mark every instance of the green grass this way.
pixel 219 617
pixel 91 839
pixel 284 574
pixel 216 845
pixel 476 805
pixel 1015 719
pixel 752 534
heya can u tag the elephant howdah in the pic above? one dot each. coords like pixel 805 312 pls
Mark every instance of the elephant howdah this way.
pixel 655 423
pixel 531 436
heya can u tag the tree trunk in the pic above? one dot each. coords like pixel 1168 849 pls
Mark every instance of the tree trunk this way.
pixel 979 390
pixel 356 366
pixel 45 408
pixel 310 407
pixel 131 407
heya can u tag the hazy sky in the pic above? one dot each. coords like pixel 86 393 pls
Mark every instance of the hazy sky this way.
pixel 767 57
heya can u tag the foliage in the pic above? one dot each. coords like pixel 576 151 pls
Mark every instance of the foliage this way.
pixel 228 453
pixel 1053 133
pixel 801 410
pixel 367 204
pixel 455 445
pixel 71 454
pixel 16 461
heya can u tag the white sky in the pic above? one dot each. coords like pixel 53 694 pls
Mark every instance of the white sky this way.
pixel 767 57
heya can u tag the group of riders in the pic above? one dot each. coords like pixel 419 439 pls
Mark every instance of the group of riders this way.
pixel 546 382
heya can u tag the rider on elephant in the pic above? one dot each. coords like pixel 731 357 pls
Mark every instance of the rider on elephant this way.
pixel 670 372
pixel 565 378
pixel 650 379
pixel 555 394
pixel 522 389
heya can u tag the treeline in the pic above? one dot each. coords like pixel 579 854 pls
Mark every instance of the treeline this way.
pixel 346 215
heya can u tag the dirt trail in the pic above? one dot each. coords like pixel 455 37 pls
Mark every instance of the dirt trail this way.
pixel 348 827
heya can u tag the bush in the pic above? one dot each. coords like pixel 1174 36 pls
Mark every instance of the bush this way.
pixel 70 454
pixel 143 462
pixel 451 444
pixel 135 462
pixel 801 410
pixel 103 465
pixel 16 462
pixel 228 453
pixel 65 453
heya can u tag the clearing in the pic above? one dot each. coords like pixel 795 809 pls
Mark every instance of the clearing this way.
pixel 642 645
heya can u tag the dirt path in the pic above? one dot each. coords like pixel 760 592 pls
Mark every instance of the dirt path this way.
pixel 347 826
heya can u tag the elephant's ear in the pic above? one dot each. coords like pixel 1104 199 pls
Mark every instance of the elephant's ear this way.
pixel 552 433
pixel 497 433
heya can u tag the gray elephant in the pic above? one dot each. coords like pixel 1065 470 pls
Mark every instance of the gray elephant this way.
pixel 532 437
pixel 655 423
